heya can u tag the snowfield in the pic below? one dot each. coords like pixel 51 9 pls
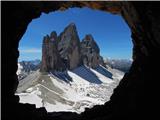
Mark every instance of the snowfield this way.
pixel 78 89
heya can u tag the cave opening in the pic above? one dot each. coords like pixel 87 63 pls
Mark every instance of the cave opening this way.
pixel 127 101
pixel 44 91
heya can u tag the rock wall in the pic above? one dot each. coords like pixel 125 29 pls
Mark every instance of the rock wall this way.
pixel 51 59
pixel 69 46
pixel 90 52
pixel 61 52
pixel 67 52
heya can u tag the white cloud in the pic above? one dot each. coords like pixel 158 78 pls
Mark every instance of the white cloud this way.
pixel 30 50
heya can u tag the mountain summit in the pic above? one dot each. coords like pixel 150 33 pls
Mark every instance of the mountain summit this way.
pixel 90 52
pixel 69 47
pixel 67 52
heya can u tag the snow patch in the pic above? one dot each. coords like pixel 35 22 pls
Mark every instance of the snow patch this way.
pixel 31 98
pixel 20 67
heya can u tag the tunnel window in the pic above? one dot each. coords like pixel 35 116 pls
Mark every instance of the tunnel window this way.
pixel 91 52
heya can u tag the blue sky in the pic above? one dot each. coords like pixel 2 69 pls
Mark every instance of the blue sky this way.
pixel 109 31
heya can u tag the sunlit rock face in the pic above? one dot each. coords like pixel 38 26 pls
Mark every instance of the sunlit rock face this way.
pixel 67 52
pixel 90 52
pixel 51 60
pixel 61 52
pixel 69 47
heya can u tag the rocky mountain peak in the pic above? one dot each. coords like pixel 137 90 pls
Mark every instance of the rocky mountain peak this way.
pixel 71 29
pixel 51 60
pixel 69 46
pixel 72 24
pixel 89 42
pixel 90 52
pixel 67 52
pixel 53 36
pixel 88 37
pixel 46 39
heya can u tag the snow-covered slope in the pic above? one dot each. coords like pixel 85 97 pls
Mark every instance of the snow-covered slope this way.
pixel 20 67
pixel 86 87
pixel 26 68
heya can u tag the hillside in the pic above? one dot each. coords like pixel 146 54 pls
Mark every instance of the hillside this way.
pixel 87 88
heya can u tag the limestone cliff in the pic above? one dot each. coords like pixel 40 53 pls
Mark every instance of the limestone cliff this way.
pixel 67 52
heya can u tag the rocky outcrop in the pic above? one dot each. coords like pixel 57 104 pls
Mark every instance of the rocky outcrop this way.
pixel 67 52
pixel 69 47
pixel 90 52
pixel 61 52
pixel 51 60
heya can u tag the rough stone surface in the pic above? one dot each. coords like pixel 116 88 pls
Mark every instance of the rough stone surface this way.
pixel 90 52
pixel 51 60
pixel 67 52
pixel 61 52
pixel 69 46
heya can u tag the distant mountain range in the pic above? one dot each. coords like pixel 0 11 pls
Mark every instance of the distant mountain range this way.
pixel 27 67
pixel 120 64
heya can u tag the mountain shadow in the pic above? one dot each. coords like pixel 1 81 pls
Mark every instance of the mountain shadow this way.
pixel 62 76
pixel 104 72
pixel 87 74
